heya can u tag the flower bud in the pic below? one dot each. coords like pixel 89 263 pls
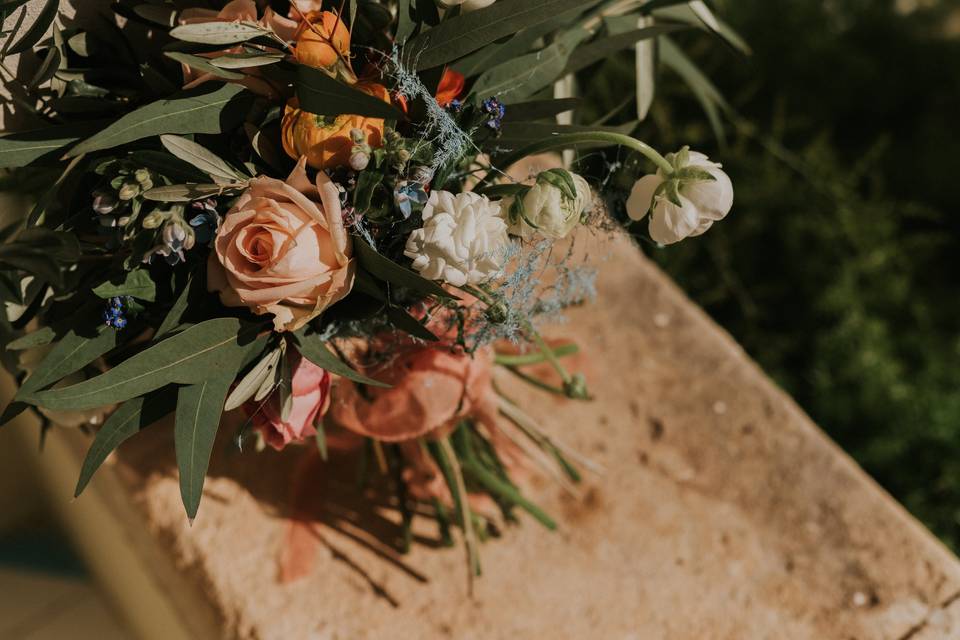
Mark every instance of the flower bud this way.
pixel 357 136
pixel 129 190
pixel 154 219
pixel 552 207
pixel 576 387
pixel 104 202
pixel 174 235
pixel 359 160
pixel 685 203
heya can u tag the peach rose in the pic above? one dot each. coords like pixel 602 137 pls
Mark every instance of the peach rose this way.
pixel 238 11
pixel 326 140
pixel 282 249
pixel 311 398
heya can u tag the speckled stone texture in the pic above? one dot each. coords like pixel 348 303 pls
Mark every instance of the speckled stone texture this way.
pixel 724 513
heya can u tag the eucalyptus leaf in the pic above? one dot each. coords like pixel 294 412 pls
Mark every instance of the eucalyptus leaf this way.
pixel 254 379
pixel 70 354
pixel 38 338
pixel 184 192
pixel 456 37
pixel 322 95
pixel 21 148
pixel 245 60
pixel 389 271
pixel 164 15
pixel 199 407
pixel 199 157
pixel 207 109
pixel 128 420
pixel 405 322
pixel 522 77
pixel 710 98
pixel 49 66
pixel 202 64
pixel 174 317
pixel 218 32
pixel 539 109
pixel 315 350
pixel 185 358
pixel 136 284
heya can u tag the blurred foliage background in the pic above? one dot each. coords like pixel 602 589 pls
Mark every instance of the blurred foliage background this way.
pixel 838 268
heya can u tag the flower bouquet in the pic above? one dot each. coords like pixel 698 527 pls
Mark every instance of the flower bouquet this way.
pixel 305 212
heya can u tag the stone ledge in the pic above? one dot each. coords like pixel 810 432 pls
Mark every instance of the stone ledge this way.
pixel 724 513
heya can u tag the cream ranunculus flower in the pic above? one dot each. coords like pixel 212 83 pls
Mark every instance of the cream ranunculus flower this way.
pixel 463 239
pixel 686 203
pixel 282 249
pixel 552 207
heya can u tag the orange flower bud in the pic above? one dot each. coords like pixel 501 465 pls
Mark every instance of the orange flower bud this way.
pixel 322 40
pixel 450 87
pixel 325 140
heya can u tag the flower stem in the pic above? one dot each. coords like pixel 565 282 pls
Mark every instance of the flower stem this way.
pixel 569 140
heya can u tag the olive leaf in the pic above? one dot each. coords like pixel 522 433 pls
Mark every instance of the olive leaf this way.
pixel 199 157
pixel 132 416
pixel 188 357
pixel 322 95
pixel 218 32
pixel 202 64
pixel 199 407
pixel 202 110
pixel 39 27
pixel 389 271
pixel 253 381
pixel 456 37
pixel 313 348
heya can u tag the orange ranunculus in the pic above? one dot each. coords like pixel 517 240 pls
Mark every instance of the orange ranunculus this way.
pixel 322 40
pixel 325 140
pixel 450 87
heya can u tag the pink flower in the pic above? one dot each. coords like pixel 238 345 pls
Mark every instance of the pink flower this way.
pixel 311 398
pixel 432 389
pixel 282 249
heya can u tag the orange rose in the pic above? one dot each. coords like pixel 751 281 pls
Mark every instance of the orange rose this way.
pixel 282 249
pixel 322 40
pixel 325 140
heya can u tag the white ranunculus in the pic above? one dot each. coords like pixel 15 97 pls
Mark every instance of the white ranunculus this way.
pixel 463 239
pixel 546 210
pixel 467 5
pixel 686 203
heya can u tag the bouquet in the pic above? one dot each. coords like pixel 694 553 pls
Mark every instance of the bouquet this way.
pixel 305 212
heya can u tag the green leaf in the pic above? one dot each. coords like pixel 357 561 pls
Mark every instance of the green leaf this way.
pixel 198 416
pixel 136 284
pixel 603 47
pixel 405 322
pixel 175 316
pixel 203 64
pixel 709 96
pixel 522 77
pixel 38 338
pixel 39 27
pixel 405 22
pixel 539 109
pixel 70 354
pixel 253 381
pixel 132 416
pixel 315 350
pixel 521 133
pixel 202 110
pixel 246 60
pixel 218 32
pixel 199 157
pixel 164 15
pixel 20 149
pixel 456 37
pixel 322 95
pixel 389 271
pixel 185 358
pixel 184 192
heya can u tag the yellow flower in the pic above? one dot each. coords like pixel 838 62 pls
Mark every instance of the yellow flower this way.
pixel 325 140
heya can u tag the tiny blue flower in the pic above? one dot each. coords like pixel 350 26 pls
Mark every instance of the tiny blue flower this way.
pixel 113 315
pixel 496 110
pixel 206 221
pixel 407 194
pixel 455 105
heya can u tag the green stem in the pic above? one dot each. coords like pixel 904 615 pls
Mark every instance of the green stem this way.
pixel 520 360
pixel 569 140
pixel 548 352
